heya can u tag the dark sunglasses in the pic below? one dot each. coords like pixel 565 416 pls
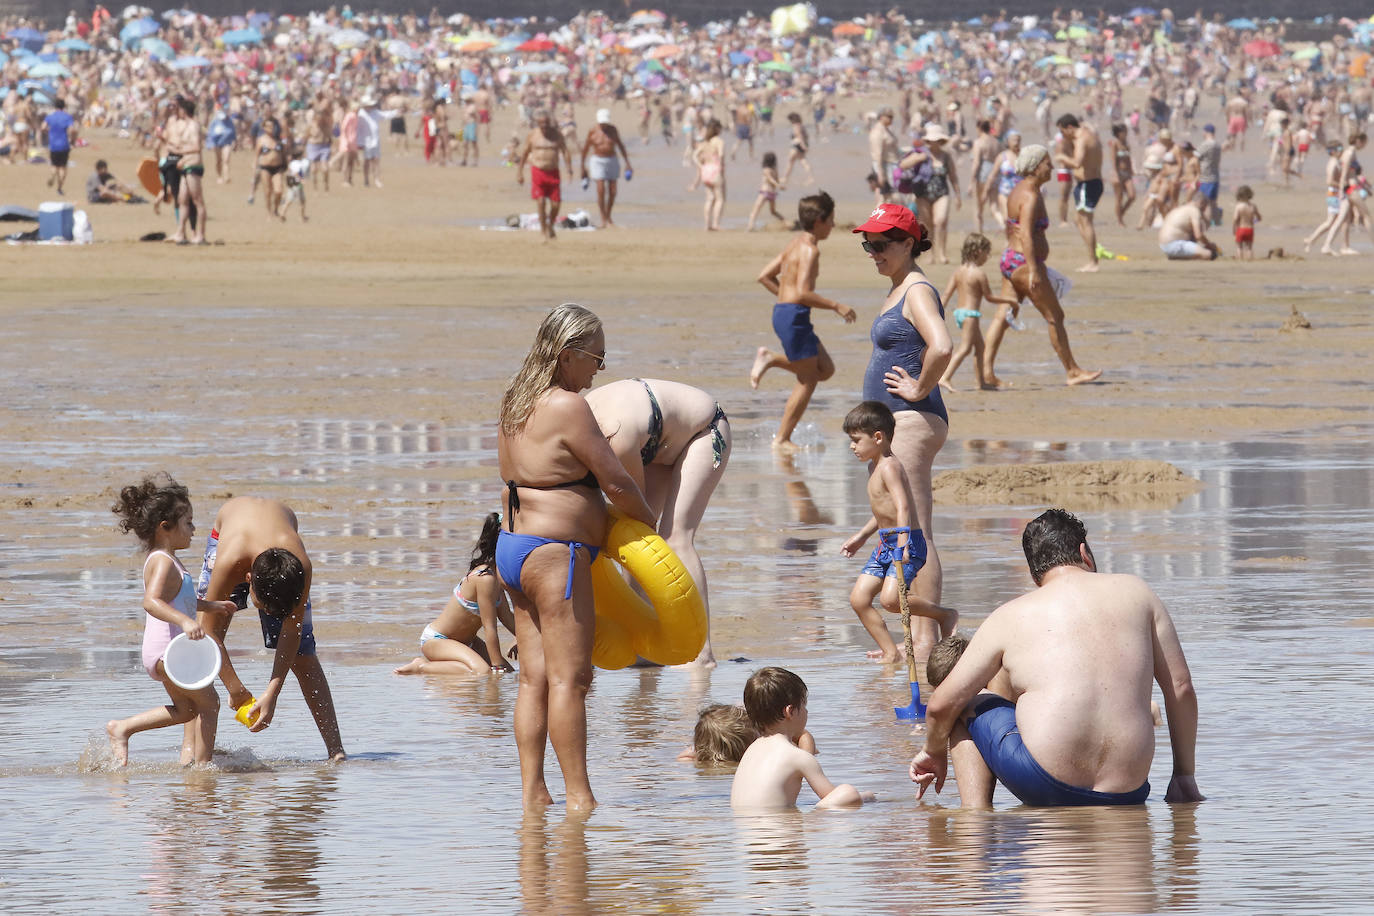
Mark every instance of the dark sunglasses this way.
pixel 874 247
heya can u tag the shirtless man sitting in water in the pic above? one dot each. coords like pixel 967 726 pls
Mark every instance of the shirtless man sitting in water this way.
pixel 250 538
pixel 791 278
pixel 1079 654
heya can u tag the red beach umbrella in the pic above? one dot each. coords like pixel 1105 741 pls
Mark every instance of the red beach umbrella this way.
pixel 536 44
pixel 1261 48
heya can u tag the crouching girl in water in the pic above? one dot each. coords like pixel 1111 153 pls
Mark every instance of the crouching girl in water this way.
pixel 158 512
pixel 450 644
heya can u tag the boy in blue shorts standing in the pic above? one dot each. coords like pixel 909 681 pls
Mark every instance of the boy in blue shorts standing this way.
pixel 791 278
pixel 870 427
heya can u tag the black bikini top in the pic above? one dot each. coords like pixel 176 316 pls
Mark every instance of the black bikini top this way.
pixel 512 487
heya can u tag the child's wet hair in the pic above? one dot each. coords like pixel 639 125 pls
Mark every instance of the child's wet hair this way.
pixel 770 160
pixel 870 417
pixel 723 733
pixel 143 507
pixel 278 581
pixel 944 655
pixel 768 693
pixel 484 553
pixel 975 244
pixel 1244 193
pixel 813 209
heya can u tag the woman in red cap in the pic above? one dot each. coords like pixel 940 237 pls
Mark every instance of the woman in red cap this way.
pixel 911 348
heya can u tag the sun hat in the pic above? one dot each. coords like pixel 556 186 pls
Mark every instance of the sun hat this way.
pixel 935 133
pixel 603 116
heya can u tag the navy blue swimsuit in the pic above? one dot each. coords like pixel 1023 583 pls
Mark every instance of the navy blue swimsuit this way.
pixel 896 342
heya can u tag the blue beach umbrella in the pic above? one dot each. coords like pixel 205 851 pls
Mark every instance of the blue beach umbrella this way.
pixel 1001 26
pixel 1141 11
pixel 157 48
pixel 4 59
pixel 72 44
pixel 45 69
pixel 259 20
pixel 1243 23
pixel 27 37
pixel 190 62
pixel 139 28
pixel 237 37
pixel 1037 35
pixel 739 58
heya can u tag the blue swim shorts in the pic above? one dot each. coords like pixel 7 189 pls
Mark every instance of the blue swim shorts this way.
pixel 994 731
pixel 271 626
pixel 880 564
pixel 792 324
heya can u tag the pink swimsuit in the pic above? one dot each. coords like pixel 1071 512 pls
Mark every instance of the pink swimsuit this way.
pixel 157 634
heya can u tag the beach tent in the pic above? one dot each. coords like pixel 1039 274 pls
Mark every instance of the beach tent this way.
pixel 793 20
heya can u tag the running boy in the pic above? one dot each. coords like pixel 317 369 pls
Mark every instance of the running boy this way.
pixel 1243 222
pixel 771 771
pixel 870 427
pixel 791 278
pixel 971 284
pixel 255 552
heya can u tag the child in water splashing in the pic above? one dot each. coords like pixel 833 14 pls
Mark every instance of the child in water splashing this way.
pixel 158 512
pixel 450 644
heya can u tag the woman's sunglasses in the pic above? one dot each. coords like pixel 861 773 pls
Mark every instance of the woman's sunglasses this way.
pixel 875 247
pixel 600 360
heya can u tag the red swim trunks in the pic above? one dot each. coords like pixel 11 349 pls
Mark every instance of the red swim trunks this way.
pixel 484 116
pixel 545 184
pixel 1245 235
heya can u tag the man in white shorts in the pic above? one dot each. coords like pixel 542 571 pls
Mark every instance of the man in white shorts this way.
pixel 600 164
pixel 1183 237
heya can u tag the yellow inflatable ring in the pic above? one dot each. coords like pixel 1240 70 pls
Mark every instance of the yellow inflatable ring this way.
pixel 672 630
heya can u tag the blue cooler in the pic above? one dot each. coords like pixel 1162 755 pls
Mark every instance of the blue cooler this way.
pixel 55 221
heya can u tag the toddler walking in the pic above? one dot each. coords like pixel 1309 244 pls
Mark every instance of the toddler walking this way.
pixel 158 512
pixel 971 284
pixel 1243 222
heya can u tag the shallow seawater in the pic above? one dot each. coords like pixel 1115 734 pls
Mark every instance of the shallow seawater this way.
pixel 1266 570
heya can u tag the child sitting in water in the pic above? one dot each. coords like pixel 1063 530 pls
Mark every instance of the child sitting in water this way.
pixel 1243 222
pixel 724 732
pixel 450 643
pixel 971 284
pixel 870 427
pixel 768 190
pixel 158 512
pixel 771 771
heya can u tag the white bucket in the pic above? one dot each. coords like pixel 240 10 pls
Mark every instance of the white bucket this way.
pixel 191 664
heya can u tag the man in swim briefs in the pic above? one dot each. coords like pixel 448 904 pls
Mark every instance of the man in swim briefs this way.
pixel 542 148
pixel 186 138
pixel 1085 159
pixel 1079 653
pixel 791 278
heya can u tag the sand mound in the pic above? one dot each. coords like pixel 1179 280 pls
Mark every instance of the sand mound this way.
pixel 1073 484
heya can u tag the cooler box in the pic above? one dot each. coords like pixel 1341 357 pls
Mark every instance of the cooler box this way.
pixel 55 220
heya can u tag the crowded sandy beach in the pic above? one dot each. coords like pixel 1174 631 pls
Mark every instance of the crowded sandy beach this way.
pixel 795 299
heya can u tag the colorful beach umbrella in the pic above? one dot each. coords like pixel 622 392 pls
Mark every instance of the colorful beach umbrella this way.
pixel 536 45
pixel 72 44
pixel 139 28
pixel 48 70
pixel 190 62
pixel 349 38
pixel 665 51
pixel 157 48
pixel 780 66
pixel 1036 35
pixel 476 45
pixel 1243 24
pixel 1261 48
pixel 848 30
pixel 28 38
pixel 1307 53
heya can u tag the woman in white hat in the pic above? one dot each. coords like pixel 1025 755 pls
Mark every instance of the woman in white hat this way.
pixel 933 204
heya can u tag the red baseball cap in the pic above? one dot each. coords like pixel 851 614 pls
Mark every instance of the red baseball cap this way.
pixel 893 216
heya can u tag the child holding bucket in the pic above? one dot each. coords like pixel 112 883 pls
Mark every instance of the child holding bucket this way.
pixel 450 644
pixel 870 427
pixel 158 512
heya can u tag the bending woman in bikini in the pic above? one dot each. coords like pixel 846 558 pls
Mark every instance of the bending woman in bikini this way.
pixel 1023 267
pixel 556 464
pixel 674 440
